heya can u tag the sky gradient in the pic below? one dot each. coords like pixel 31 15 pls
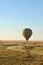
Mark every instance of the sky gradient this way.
pixel 15 15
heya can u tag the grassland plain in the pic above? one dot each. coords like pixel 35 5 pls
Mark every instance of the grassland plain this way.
pixel 33 55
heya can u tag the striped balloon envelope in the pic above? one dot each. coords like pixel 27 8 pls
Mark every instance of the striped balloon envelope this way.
pixel 27 33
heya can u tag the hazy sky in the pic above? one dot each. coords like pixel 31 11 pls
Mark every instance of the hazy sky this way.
pixel 15 15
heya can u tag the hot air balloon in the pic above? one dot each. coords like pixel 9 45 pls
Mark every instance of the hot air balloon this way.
pixel 27 33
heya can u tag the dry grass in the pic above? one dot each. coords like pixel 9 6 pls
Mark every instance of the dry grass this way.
pixel 13 57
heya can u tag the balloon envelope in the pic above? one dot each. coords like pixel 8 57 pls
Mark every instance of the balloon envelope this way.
pixel 27 33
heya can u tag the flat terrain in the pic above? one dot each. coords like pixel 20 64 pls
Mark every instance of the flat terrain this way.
pixel 21 53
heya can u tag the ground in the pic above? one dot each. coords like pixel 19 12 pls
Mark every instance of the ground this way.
pixel 21 55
